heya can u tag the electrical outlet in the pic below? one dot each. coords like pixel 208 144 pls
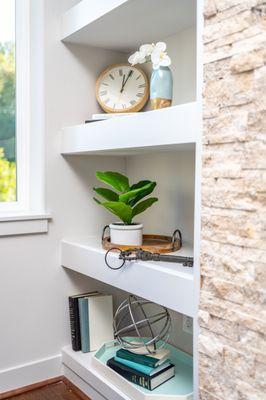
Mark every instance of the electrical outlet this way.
pixel 188 324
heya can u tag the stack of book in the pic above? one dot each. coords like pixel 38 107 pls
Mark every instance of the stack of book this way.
pixel 91 320
pixel 148 371
pixel 103 116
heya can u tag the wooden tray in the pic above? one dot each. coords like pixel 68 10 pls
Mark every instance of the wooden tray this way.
pixel 153 243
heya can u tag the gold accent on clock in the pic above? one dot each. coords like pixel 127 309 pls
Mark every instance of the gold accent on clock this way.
pixel 122 88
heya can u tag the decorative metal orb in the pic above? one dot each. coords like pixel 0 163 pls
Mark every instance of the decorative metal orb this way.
pixel 141 326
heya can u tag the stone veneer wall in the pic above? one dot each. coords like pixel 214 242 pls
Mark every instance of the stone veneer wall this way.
pixel 233 259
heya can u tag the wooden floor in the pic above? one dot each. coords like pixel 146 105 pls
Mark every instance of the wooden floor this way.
pixel 55 391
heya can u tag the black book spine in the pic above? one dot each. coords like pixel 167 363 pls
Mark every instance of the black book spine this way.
pixel 134 377
pixel 74 323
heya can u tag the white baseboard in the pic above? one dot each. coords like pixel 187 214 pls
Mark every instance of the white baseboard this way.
pixel 27 374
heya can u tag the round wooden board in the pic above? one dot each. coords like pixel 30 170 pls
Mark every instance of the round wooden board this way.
pixel 153 243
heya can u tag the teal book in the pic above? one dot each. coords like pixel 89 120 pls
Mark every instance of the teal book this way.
pixel 140 367
pixel 84 324
pixel 146 381
pixel 153 360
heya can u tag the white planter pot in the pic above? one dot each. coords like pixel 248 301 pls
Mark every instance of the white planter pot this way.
pixel 126 234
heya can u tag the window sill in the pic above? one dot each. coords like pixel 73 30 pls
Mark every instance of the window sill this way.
pixel 23 223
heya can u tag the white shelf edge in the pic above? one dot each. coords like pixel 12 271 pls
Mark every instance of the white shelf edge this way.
pixel 81 365
pixel 86 21
pixel 160 130
pixel 84 13
pixel 82 385
pixel 173 284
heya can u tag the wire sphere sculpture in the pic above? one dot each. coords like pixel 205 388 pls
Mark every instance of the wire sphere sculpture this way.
pixel 147 322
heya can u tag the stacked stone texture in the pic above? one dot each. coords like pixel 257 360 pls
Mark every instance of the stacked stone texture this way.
pixel 232 316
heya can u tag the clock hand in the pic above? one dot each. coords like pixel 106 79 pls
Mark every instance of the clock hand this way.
pixel 129 74
pixel 121 90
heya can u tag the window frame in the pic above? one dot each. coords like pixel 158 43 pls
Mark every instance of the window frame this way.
pixel 28 215
pixel 22 57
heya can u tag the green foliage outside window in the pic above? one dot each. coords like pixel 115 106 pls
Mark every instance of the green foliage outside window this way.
pixel 7 99
pixel 7 123
pixel 7 178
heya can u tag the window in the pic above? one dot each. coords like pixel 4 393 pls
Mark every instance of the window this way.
pixel 8 184
pixel 14 105
pixel 22 118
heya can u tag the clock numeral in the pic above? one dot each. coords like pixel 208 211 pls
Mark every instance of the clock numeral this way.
pixel 132 102
pixel 143 85
pixel 114 106
pixel 138 77
pixel 139 94
pixel 120 72
pixel 105 84
pixel 111 76
pixel 103 92
pixel 124 106
pixel 107 101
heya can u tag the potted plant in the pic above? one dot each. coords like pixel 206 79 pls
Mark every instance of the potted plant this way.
pixel 126 202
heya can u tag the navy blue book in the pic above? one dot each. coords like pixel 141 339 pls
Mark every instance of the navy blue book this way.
pixel 141 379
pixel 74 319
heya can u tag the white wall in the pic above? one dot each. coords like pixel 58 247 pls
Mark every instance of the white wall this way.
pixel 174 173
pixel 182 50
pixel 33 285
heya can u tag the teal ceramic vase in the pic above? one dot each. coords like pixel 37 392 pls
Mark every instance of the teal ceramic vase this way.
pixel 161 88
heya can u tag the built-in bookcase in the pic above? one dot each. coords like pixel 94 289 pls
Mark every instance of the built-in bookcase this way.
pixel 162 145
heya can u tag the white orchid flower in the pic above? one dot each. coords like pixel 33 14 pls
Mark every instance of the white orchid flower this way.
pixel 159 56
pixel 160 46
pixel 140 56
pixel 146 49
pixel 137 58
pixel 151 52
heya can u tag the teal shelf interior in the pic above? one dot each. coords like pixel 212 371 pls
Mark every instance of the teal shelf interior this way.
pixel 180 385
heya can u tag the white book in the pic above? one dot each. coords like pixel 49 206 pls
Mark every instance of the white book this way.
pixel 111 115
pixel 100 317
pixel 161 355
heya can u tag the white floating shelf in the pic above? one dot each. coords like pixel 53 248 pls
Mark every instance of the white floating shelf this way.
pixel 123 25
pixel 98 376
pixel 169 284
pixel 170 128
pixel 79 369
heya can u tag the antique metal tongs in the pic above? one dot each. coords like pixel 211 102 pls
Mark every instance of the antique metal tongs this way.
pixel 139 254
pixel 135 254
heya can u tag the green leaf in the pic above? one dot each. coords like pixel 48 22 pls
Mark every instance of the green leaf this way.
pixel 143 205
pixel 125 197
pixel 114 179
pixel 121 210
pixel 142 194
pixel 107 194
pixel 139 185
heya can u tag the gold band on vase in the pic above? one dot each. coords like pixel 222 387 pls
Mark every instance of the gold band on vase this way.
pixel 160 103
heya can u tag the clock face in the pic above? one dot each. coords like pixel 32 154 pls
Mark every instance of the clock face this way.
pixel 122 88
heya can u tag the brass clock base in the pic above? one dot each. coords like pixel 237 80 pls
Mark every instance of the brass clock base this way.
pixel 158 103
